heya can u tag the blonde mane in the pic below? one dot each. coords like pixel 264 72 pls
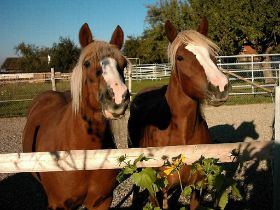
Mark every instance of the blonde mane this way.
pixel 97 50
pixel 76 85
pixel 190 37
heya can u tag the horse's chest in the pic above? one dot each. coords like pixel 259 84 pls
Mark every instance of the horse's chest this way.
pixel 154 137
pixel 175 135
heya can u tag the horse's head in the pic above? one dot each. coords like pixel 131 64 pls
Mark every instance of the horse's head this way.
pixel 192 56
pixel 98 81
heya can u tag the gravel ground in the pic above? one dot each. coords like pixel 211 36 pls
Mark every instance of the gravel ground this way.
pixel 226 123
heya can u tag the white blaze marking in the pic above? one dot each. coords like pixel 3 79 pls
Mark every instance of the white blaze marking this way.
pixel 112 78
pixel 213 74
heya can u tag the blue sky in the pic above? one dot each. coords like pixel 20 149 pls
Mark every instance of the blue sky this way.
pixel 42 22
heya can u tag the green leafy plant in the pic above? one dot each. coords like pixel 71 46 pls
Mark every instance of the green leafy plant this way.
pixel 214 186
pixel 146 178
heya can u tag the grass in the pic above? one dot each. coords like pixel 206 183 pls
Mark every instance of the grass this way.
pixel 143 84
pixel 15 98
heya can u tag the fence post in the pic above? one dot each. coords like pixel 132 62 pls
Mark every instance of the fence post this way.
pixel 252 70
pixel 276 160
pixel 154 72
pixel 129 72
pixel 53 79
pixel 278 75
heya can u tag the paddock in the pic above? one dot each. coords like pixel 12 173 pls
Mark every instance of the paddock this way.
pixel 224 118
pixel 229 125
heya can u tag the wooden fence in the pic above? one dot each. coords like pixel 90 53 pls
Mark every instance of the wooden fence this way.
pixel 107 159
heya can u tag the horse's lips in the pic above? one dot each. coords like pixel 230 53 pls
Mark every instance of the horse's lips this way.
pixel 117 113
pixel 213 101
pixel 111 116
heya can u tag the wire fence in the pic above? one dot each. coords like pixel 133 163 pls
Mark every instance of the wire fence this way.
pixel 253 79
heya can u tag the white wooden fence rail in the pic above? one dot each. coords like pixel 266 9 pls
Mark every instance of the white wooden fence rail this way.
pixel 108 159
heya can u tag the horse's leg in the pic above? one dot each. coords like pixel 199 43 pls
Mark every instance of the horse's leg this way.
pixel 165 199
pixel 194 201
pixel 100 189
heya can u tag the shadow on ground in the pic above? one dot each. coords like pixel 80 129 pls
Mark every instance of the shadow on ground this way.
pixel 226 133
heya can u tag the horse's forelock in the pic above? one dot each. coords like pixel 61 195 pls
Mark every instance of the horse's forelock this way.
pixel 77 76
pixel 97 49
pixel 190 37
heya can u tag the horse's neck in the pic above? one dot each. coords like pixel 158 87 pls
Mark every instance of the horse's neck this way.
pixel 89 127
pixel 186 114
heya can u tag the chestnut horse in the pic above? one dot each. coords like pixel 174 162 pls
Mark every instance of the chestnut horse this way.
pixel 79 121
pixel 172 115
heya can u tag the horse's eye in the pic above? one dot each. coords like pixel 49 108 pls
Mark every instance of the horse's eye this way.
pixel 179 58
pixel 98 72
pixel 87 64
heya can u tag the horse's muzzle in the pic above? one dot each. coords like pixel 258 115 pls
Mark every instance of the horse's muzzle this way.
pixel 216 98
pixel 111 110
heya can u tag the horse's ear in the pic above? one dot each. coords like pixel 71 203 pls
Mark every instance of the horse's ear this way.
pixel 85 35
pixel 170 30
pixel 117 37
pixel 203 26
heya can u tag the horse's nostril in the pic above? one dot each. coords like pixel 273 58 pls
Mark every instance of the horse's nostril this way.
pixel 110 93
pixel 227 87
pixel 125 96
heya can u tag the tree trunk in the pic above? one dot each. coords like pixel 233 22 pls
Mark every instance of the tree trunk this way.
pixel 267 72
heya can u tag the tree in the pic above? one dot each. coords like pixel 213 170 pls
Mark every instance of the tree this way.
pixel 132 47
pixel 174 10
pixel 233 22
pixel 64 55
pixel 34 59
pixel 230 24
pixel 151 47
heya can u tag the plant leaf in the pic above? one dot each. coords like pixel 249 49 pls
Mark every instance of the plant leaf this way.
pixel 219 182
pixel 148 206
pixel 129 169
pixel 145 179
pixel 187 191
pixel 223 200
pixel 141 158
pixel 235 192
pixel 121 177
pixel 161 183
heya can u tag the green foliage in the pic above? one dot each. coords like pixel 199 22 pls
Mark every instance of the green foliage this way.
pixel 213 184
pixel 64 56
pixel 129 168
pixel 231 23
pixel 147 178
pixel 34 59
